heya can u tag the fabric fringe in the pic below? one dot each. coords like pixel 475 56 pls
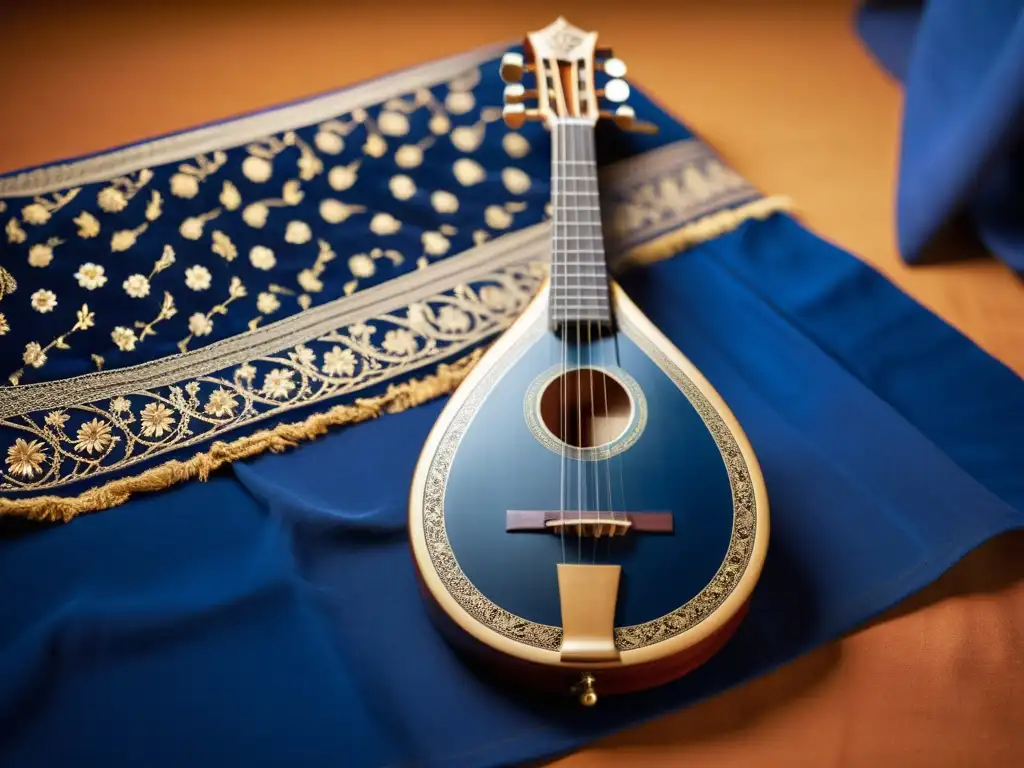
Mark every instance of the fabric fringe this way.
pixel 702 230
pixel 398 397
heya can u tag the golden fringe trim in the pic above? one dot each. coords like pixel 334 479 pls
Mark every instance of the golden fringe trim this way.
pixel 398 397
pixel 707 228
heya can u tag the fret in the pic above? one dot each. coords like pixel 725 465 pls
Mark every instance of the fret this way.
pixel 579 271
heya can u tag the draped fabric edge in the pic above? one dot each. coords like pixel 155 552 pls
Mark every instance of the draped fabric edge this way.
pixel 444 379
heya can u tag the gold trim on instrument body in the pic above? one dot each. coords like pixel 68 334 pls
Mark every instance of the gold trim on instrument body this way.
pixel 709 612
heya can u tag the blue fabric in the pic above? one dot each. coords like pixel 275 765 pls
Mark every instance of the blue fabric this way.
pixel 962 144
pixel 271 615
pixel 196 254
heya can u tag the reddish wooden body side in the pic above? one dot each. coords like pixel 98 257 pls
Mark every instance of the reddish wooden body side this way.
pixel 612 681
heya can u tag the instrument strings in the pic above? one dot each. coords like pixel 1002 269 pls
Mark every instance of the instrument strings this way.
pixel 559 263
pixel 576 201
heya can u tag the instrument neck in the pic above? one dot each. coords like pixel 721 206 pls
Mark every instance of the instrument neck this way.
pixel 579 272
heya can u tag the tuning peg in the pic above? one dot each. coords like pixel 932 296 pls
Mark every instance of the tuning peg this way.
pixel 614 68
pixel 625 118
pixel 512 67
pixel 515 115
pixel 616 90
pixel 517 94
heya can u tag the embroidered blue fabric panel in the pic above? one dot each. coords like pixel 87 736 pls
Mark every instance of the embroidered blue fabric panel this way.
pixel 220 282
pixel 271 615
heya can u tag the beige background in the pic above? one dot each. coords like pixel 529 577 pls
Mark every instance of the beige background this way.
pixel 787 95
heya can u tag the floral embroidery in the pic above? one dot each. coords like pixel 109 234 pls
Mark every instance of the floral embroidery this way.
pixel 223 246
pixel 258 168
pixel 156 418
pixel 515 145
pixel 192 227
pixel 155 207
pixel 255 214
pixel 185 183
pixel 41 254
pixel 126 238
pixel 342 177
pixel 468 172
pixel 146 424
pixel 362 265
pixel 88 225
pixel 91 276
pixel 230 198
pixel 262 257
pixel 124 338
pixel 94 437
pixel 25 458
pixel 4 326
pixel 515 180
pixel 384 224
pixel 202 325
pixel 266 303
pixel 115 197
pixel 35 354
pixel 44 301
pixel 8 284
pixel 197 277
pixel 136 286
pixel 402 187
pixel 278 383
pixel 444 202
pixel 334 211
pixel 15 234
pixel 297 232
pixel 42 209
pixel 410 156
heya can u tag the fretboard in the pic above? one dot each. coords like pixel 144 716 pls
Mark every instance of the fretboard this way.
pixel 579 272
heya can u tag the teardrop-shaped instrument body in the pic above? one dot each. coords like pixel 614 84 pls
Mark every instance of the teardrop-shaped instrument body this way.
pixel 587 510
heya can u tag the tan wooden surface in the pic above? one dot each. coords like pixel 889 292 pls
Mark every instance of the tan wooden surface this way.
pixel 787 95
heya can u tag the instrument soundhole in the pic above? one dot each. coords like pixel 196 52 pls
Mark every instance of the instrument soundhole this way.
pixel 585 408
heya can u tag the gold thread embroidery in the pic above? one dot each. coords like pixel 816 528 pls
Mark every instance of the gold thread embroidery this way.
pixel 704 229
pixel 88 225
pixel 15 234
pixel 41 254
pixel 185 183
pixel 282 437
pixel 42 208
pixel 258 168
pixel 35 354
pixel 342 361
pixel 192 227
pixel 124 239
pixel 114 197
pixel 222 246
pixel 255 214
pixel 8 284
pixel 200 324
pixel 155 207
pixel 361 266
pixel 475 264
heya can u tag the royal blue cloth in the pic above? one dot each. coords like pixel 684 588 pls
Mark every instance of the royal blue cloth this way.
pixel 271 616
pixel 962 147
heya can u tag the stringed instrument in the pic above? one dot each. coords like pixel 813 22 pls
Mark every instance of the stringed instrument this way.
pixel 586 514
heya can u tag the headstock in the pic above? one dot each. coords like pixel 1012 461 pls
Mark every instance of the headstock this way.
pixel 563 61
